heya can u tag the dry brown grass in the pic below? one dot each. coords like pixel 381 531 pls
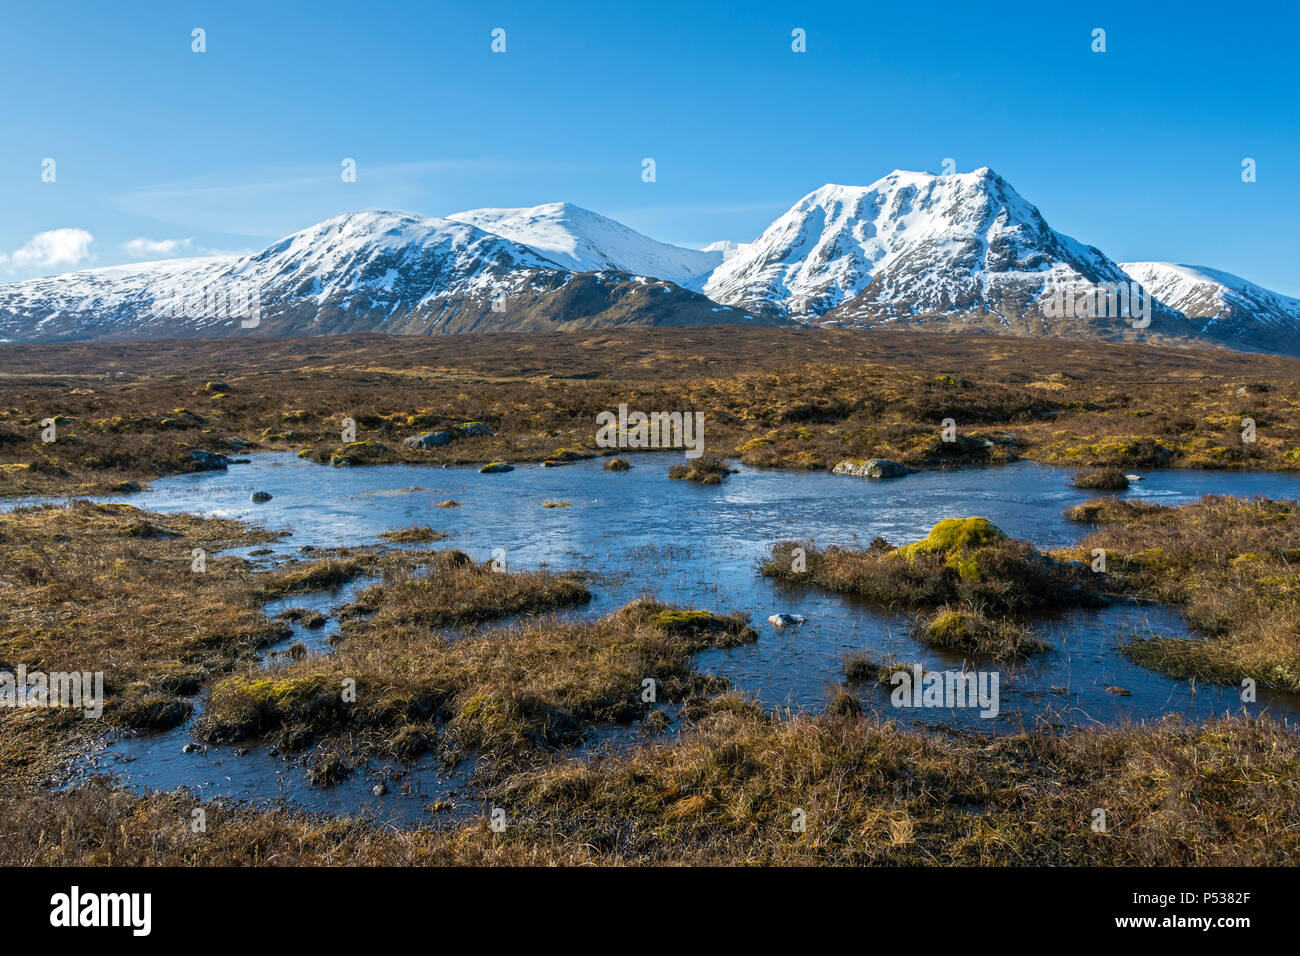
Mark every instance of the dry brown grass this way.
pixel 968 630
pixel 113 589
pixel 415 534
pixel 708 470
pixel 1233 565
pixel 993 576
pixel 110 588
pixel 456 592
pixel 771 397
pixel 873 793
pixel 726 792
pixel 510 692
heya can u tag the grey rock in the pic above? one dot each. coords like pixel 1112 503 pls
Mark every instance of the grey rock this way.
pixel 782 619
pixel 260 496
pixel 873 468
pixel 428 440
pixel 210 460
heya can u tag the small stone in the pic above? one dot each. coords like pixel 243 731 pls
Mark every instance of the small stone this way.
pixel 428 440
pixel 873 468
pixel 782 619
pixel 379 789
pixel 260 496
pixel 209 461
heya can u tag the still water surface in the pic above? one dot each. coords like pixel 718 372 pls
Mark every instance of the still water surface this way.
pixel 697 546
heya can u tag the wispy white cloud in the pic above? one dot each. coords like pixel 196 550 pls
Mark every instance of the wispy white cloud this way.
pixel 272 201
pixel 52 249
pixel 156 248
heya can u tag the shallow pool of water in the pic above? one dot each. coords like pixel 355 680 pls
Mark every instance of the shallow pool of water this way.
pixel 700 546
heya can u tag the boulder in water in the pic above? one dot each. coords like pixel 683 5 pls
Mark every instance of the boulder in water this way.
pixel 209 460
pixel 428 440
pixel 873 468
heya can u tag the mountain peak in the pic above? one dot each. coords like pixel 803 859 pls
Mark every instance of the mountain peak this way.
pixel 958 251
pixel 586 241
pixel 1221 304
pixel 911 243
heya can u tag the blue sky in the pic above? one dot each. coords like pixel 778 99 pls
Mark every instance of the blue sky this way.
pixel 1137 150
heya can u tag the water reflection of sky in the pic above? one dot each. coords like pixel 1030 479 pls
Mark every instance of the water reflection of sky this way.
pixel 699 546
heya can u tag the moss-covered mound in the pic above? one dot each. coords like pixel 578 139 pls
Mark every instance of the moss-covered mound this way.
pixel 969 631
pixel 968 561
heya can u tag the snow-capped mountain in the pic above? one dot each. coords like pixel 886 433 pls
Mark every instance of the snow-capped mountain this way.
pixel 948 253
pixel 727 247
pixel 1224 306
pixel 914 246
pixel 364 272
pixel 584 241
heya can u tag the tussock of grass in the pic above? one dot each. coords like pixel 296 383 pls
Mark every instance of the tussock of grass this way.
pixel 322 575
pixel 511 693
pixel 968 630
pixel 806 400
pixel 874 793
pixel 107 587
pixel 98 825
pixel 1100 510
pixel 952 537
pixel 844 703
pixel 416 534
pixel 707 470
pixel 860 668
pixel 963 561
pixel 724 792
pixel 723 630
pixel 1102 479
pixel 455 592
pixel 1231 564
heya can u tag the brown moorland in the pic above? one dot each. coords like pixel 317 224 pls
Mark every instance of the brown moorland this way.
pixel 111 587
pixel 771 397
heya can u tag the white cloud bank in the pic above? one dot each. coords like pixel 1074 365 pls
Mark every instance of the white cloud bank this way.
pixel 51 250
pixel 155 248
